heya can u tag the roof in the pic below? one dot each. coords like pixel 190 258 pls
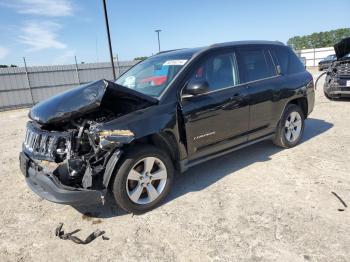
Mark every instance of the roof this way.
pixel 248 42
pixel 192 51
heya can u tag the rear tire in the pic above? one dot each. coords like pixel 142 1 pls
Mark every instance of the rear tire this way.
pixel 143 179
pixel 290 127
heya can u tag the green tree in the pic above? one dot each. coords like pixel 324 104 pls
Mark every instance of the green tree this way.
pixel 6 66
pixel 317 40
pixel 140 58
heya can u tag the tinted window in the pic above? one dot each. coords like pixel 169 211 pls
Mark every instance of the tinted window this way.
pixel 255 64
pixel 218 70
pixel 287 59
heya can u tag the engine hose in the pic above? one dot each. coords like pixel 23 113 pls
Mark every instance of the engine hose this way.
pixel 318 78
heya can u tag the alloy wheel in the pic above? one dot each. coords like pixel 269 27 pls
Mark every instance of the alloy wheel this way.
pixel 293 126
pixel 146 180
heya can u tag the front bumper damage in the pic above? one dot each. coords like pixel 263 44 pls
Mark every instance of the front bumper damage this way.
pixel 337 82
pixel 46 185
pixel 337 87
pixel 74 140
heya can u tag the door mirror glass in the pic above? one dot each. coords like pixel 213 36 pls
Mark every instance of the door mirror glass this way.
pixel 197 87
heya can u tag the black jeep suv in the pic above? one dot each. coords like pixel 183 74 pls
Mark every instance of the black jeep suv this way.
pixel 170 112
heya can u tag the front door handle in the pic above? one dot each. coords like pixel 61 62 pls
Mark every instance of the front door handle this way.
pixel 233 102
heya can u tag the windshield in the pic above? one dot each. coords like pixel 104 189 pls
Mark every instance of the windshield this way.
pixel 154 74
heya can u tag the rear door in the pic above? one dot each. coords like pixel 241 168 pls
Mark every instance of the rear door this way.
pixel 258 72
pixel 219 118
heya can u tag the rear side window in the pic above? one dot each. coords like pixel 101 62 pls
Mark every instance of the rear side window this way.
pixel 287 59
pixel 254 64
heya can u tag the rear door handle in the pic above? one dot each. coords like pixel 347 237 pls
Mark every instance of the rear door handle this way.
pixel 236 97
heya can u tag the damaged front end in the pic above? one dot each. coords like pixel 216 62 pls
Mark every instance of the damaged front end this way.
pixel 67 156
pixel 337 82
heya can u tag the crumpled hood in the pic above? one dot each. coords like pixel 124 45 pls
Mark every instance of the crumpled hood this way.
pixel 82 100
pixel 342 48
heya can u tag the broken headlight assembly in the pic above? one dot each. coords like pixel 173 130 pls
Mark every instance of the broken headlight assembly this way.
pixel 109 139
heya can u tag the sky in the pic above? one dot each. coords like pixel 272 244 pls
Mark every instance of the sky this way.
pixel 50 32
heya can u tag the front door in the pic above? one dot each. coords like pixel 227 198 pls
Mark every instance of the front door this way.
pixel 219 118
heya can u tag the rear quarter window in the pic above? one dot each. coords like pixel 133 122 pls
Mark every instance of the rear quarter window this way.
pixel 254 64
pixel 287 60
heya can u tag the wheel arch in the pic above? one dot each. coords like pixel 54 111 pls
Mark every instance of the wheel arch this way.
pixel 301 102
pixel 164 140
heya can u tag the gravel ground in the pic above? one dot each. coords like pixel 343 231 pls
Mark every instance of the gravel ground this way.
pixel 257 204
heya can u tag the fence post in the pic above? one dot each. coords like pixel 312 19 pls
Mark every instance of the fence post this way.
pixel 27 75
pixel 314 56
pixel 118 66
pixel 76 69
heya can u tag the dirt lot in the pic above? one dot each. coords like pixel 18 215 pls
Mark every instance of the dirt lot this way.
pixel 257 204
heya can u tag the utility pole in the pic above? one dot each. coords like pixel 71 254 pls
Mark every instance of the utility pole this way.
pixel 109 38
pixel 28 81
pixel 158 31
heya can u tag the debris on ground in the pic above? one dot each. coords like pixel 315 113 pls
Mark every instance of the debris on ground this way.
pixel 60 233
pixel 341 201
pixel 98 221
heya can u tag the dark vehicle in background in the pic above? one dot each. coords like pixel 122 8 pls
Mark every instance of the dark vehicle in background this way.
pixel 337 82
pixel 170 112
pixel 326 62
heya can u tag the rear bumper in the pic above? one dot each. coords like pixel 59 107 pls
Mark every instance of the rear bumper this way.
pixel 47 186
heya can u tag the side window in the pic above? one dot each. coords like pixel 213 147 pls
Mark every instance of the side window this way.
pixel 255 64
pixel 287 59
pixel 218 70
pixel 295 65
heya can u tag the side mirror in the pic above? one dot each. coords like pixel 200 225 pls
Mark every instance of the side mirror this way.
pixel 197 87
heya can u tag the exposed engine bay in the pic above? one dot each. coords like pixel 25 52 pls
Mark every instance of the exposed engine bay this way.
pixel 68 139
pixel 337 82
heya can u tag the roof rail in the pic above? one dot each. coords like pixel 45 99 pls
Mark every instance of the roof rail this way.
pixel 167 51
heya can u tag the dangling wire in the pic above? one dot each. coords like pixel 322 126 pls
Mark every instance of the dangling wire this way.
pixel 318 78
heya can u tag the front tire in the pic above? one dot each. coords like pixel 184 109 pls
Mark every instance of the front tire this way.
pixel 290 128
pixel 143 179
